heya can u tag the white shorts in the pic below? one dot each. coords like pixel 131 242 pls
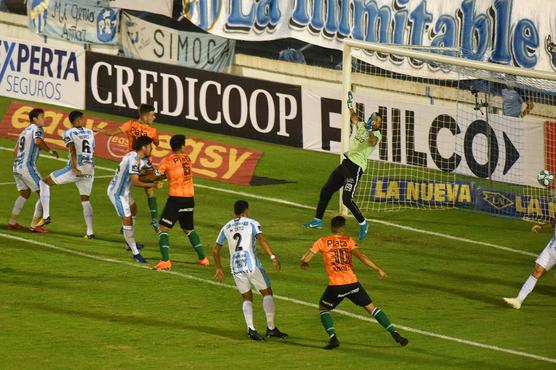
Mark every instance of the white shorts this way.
pixel 27 179
pixel 547 258
pixel 256 279
pixel 122 203
pixel 84 183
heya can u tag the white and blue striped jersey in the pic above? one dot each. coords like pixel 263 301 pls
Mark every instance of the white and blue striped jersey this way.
pixel 241 235
pixel 27 150
pixel 129 165
pixel 84 141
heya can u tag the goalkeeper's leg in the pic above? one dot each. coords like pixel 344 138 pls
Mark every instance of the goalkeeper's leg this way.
pixel 334 183
pixel 353 174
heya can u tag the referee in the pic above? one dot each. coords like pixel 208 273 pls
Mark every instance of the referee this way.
pixel 365 139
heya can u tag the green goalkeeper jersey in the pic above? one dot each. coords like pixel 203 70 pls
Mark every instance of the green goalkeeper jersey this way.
pixel 359 147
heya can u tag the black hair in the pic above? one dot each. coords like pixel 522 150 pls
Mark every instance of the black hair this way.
pixel 145 108
pixel 176 142
pixel 240 206
pixel 75 115
pixel 337 222
pixel 34 113
pixel 378 114
pixel 140 142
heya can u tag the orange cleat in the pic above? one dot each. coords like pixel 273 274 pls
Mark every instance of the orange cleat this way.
pixel 14 226
pixel 203 262
pixel 38 229
pixel 163 265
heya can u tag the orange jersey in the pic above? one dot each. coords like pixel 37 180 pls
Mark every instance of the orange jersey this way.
pixel 336 254
pixel 179 172
pixel 134 129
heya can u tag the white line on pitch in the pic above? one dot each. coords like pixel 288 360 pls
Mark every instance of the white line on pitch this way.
pixel 377 221
pixel 96 177
pixel 288 299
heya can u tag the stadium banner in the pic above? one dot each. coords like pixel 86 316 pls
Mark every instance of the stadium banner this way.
pixel 42 73
pixel 502 31
pixel 74 20
pixel 211 159
pixel 163 7
pixel 434 136
pixel 196 99
pixel 515 205
pixel 149 41
pixel 418 192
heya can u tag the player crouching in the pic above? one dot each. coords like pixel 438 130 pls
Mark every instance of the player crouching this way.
pixel 242 234
pixel 119 190
pixel 337 251
pixel 177 168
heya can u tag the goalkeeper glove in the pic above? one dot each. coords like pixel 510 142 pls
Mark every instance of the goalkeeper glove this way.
pixel 350 100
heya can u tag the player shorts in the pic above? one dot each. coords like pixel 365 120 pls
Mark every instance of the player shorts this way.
pixel 178 209
pixel 547 258
pixel 335 294
pixel 84 182
pixel 256 279
pixel 122 203
pixel 27 179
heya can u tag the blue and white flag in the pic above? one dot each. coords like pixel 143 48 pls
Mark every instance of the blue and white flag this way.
pixel 81 21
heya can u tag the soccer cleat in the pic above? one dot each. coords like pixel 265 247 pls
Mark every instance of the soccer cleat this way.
pixel 89 236
pixel 15 226
pixel 315 223
pixel 333 343
pixel 399 339
pixel 138 245
pixel 155 225
pixel 44 221
pixel 253 334
pixel 38 229
pixel 363 229
pixel 514 302
pixel 163 265
pixel 203 262
pixel 139 258
pixel 276 333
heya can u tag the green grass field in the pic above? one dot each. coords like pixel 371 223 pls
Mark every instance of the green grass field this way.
pixel 69 303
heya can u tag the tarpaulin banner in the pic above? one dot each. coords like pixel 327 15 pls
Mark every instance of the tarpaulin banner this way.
pixel 164 7
pixel 515 205
pixel 212 160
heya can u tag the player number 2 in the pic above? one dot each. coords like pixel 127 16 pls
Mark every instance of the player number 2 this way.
pixel 237 237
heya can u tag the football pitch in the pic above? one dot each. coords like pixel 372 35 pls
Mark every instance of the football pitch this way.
pixel 70 303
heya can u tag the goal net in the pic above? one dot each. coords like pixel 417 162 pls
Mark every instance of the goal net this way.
pixel 456 132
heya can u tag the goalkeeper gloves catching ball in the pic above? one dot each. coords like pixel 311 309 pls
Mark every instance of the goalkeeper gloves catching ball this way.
pixel 350 100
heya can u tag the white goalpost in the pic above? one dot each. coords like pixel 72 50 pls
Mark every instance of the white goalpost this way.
pixel 456 132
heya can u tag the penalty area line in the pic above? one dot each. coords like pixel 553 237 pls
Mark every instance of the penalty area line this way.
pixel 283 298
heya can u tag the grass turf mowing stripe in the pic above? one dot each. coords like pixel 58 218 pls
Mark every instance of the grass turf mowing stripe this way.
pixel 284 298
pixel 376 221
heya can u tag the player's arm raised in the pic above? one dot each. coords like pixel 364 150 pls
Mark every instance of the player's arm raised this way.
pixel 307 257
pixel 368 262
pixel 43 146
pixel 108 131
pixel 353 114
pixel 219 276
pixel 275 261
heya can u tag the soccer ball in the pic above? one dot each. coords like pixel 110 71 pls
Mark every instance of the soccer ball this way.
pixel 545 178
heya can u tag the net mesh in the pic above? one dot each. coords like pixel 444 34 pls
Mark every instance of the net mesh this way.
pixel 471 138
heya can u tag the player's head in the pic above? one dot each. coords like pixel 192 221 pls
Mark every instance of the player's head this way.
pixel 146 113
pixel 177 143
pixel 374 122
pixel 36 116
pixel 241 208
pixel 338 224
pixel 76 118
pixel 143 144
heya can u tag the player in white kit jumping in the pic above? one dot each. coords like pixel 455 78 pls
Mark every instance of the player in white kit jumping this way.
pixel 242 234
pixel 80 170
pixel 26 174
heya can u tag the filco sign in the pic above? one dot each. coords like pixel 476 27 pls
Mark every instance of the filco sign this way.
pixel 196 99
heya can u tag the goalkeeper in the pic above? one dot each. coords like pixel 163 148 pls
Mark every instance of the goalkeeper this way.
pixel 364 140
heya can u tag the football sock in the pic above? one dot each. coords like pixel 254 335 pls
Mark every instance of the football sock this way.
pixel 383 320
pixel 269 310
pixel 153 206
pixel 164 244
pixel 37 214
pixel 133 220
pixel 328 323
pixel 45 198
pixel 18 206
pixel 248 314
pixel 88 216
pixel 196 243
pixel 129 236
pixel 527 288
